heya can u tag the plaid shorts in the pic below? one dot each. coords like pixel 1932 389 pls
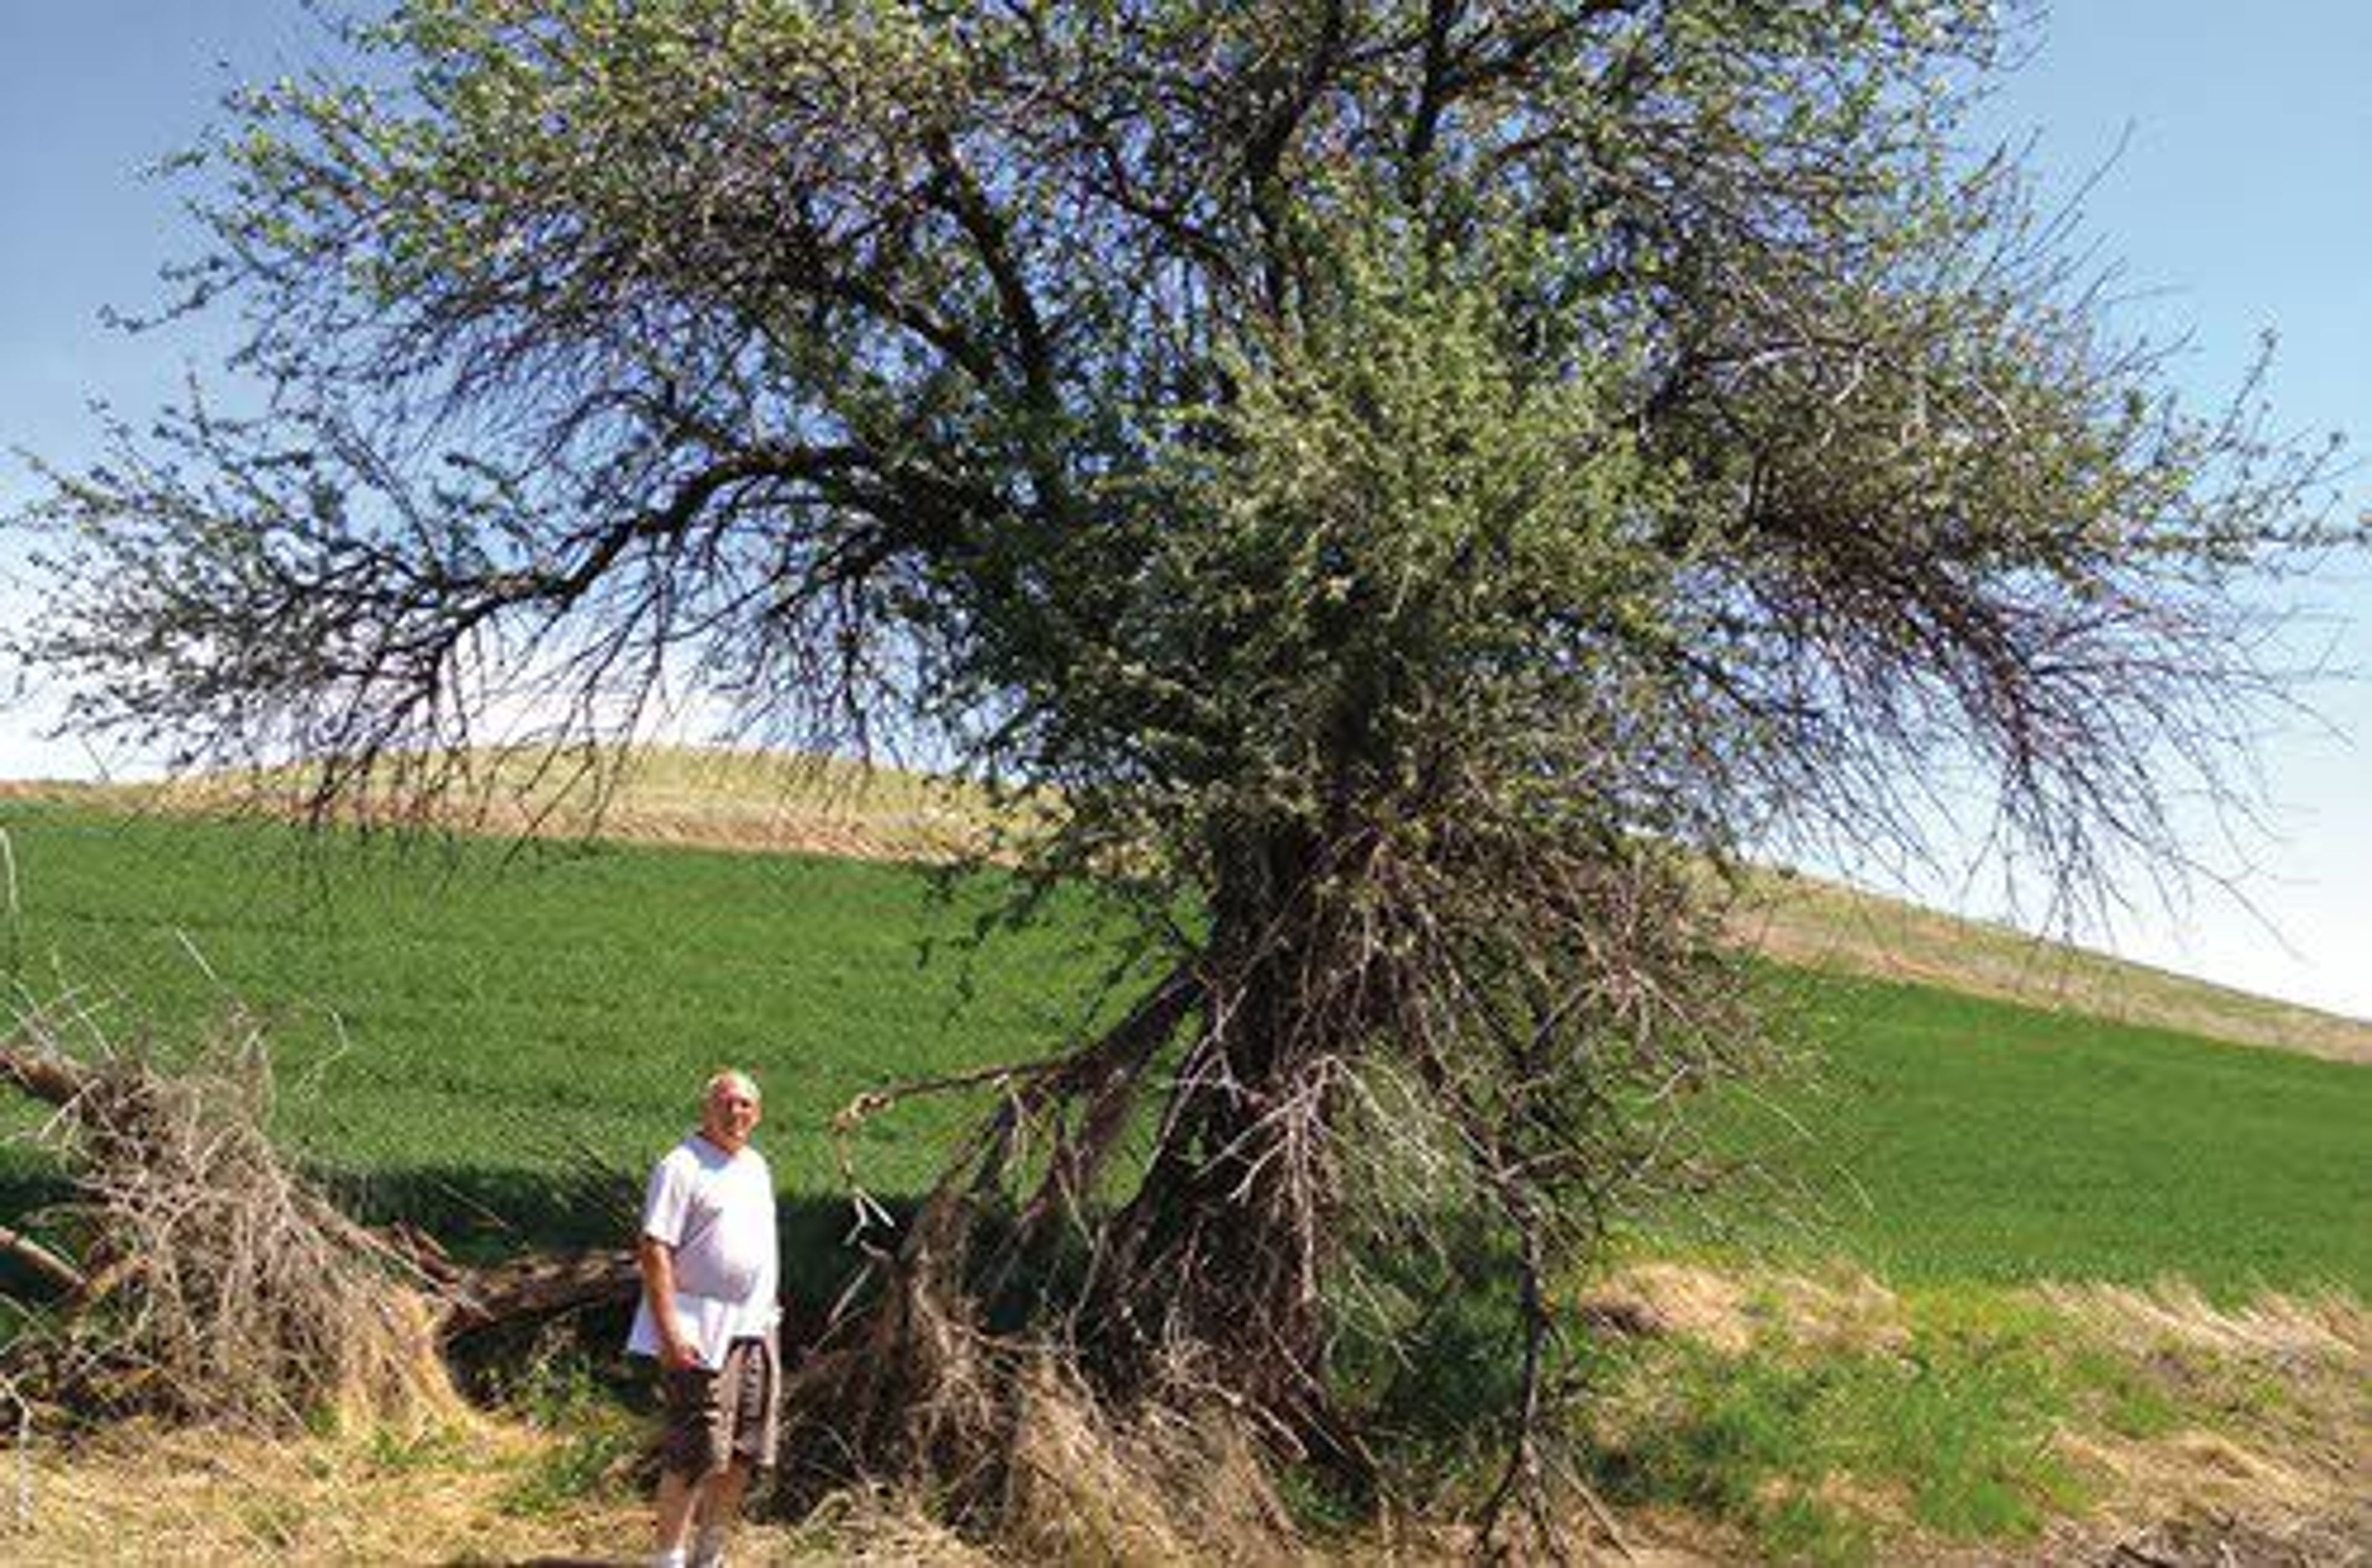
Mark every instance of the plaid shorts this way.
pixel 715 1418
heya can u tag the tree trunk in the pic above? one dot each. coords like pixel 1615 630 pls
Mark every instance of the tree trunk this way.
pixel 1221 1251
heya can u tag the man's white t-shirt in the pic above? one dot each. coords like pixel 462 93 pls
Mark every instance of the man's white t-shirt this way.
pixel 716 1212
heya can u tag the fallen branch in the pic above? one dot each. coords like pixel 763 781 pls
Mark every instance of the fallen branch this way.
pixel 44 1074
pixel 537 1287
pixel 470 1299
pixel 219 1282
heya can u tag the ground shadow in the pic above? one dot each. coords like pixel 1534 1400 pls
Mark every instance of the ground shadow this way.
pixel 484 1217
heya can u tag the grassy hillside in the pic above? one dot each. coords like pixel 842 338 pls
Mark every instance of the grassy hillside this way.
pixel 1804 921
pixel 784 804
pixel 465 1008
pixel 462 1026
pixel 1948 1138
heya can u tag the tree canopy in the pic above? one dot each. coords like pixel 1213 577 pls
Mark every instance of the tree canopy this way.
pixel 1422 479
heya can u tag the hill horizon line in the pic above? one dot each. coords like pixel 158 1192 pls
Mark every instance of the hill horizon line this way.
pixel 779 803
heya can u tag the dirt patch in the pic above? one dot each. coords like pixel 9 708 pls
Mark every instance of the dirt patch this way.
pixel 2211 1539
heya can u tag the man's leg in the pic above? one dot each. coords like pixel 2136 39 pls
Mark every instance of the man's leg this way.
pixel 719 1510
pixel 678 1494
pixel 720 1497
pixel 692 1457
pixel 746 1392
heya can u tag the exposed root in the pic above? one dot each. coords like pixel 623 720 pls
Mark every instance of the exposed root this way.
pixel 1011 1441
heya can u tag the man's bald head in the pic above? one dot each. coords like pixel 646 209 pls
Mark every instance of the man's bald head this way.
pixel 729 1110
pixel 731 1078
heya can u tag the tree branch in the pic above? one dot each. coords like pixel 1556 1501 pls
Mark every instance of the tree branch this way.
pixel 68 1280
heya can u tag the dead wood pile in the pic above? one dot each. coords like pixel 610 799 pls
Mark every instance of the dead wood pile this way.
pixel 191 1272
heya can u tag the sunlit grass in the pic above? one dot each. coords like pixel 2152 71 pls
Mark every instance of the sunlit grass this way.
pixel 459 1024
pixel 1945 1137
pixel 467 1015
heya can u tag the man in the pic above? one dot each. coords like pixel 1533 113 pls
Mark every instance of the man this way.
pixel 708 1312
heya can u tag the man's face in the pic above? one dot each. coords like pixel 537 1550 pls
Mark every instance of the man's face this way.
pixel 730 1114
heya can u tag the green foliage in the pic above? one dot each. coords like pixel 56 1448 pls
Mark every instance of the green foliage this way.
pixel 579 1466
pixel 598 1435
pixel 274 1526
pixel 2126 1398
pixel 401 1453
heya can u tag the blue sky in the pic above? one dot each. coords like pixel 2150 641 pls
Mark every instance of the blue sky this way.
pixel 2236 203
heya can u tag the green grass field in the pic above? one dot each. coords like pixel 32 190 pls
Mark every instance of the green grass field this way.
pixel 1948 1138
pixel 457 1026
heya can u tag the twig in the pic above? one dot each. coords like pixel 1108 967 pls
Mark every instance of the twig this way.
pixel 1605 1517
pixel 44 1262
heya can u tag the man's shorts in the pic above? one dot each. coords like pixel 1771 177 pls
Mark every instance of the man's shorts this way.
pixel 715 1418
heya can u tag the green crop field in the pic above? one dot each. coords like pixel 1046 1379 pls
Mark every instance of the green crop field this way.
pixel 460 1028
pixel 454 1025
pixel 1948 1138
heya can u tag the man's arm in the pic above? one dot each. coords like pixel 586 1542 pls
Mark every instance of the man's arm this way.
pixel 657 1260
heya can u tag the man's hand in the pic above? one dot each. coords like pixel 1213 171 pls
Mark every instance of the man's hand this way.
pixel 678 1353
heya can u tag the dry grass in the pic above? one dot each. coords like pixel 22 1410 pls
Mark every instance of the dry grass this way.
pixel 2258 1448
pixel 1167 1486
pixel 445 1494
pixel 2280 1330
pixel 448 1496
pixel 2287 1473
pixel 2287 1382
pixel 149 1495
pixel 730 800
pixel 1847 1310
